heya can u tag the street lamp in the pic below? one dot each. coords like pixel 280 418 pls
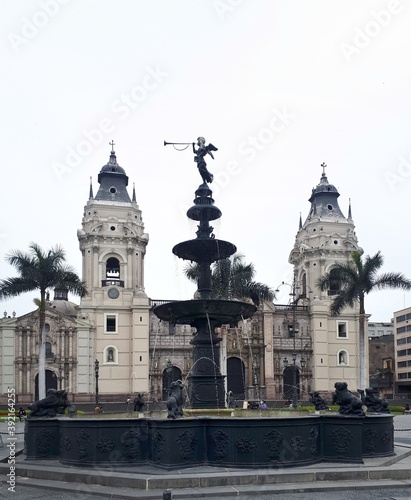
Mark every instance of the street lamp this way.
pixel 96 369
pixel 294 403
pixel 293 330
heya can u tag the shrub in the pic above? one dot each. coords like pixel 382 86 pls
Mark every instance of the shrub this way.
pixel 396 409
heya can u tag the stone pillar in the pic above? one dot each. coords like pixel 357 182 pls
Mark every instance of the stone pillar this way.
pixel 96 268
pixel 269 355
pixel 128 280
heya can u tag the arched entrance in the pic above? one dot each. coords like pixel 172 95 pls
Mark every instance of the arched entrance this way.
pixel 236 377
pixel 291 377
pixel 170 374
pixel 51 383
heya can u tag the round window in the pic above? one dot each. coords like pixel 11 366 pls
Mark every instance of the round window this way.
pixel 330 207
pixel 113 190
pixel 113 293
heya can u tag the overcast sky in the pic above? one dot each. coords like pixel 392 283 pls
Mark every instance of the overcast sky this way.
pixel 279 87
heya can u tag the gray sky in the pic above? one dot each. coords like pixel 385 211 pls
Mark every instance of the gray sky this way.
pixel 278 86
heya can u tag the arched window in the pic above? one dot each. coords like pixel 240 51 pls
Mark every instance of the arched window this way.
pixel 113 274
pixel 342 357
pixel 112 268
pixel 334 283
pixel 49 352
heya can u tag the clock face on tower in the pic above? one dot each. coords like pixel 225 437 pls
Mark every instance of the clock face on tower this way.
pixel 113 293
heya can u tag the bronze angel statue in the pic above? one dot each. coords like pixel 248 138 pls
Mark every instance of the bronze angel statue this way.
pixel 200 153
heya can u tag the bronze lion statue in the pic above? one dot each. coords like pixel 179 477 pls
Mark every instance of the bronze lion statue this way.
pixel 175 400
pixel 348 403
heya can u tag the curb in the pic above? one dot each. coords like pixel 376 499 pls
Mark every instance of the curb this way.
pixel 216 492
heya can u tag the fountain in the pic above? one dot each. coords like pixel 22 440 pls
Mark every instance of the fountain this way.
pixel 221 441
pixel 205 382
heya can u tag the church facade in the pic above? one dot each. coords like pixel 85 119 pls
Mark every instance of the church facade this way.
pixel 295 345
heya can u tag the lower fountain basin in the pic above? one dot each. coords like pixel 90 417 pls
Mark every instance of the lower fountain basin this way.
pixel 221 442
pixel 189 311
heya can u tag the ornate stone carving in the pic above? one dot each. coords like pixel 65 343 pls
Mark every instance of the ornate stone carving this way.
pixel 297 443
pixel 371 436
pixel 187 441
pixel 220 442
pixel 44 440
pixel 274 441
pixel 83 440
pixel 246 445
pixel 66 443
pixel 313 438
pixel 386 438
pixel 158 444
pixel 105 444
pixel 341 440
pixel 131 442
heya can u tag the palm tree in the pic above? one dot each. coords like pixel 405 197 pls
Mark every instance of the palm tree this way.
pixel 40 270
pixel 351 282
pixel 233 279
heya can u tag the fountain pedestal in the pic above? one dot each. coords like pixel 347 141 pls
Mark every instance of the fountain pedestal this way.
pixel 219 442
pixel 206 384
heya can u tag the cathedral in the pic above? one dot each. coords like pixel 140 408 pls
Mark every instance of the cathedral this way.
pixel 283 351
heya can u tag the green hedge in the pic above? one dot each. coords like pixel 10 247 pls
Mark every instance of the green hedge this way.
pixel 396 409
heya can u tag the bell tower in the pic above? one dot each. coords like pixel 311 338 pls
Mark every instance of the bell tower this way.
pixel 325 239
pixel 113 245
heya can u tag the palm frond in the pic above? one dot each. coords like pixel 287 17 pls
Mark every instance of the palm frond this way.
pixel 356 279
pixel 392 280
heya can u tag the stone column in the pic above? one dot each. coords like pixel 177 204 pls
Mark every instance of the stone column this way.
pixel 96 283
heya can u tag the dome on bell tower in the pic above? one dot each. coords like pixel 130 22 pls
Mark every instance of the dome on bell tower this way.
pixel 113 181
pixel 326 237
pixel 324 201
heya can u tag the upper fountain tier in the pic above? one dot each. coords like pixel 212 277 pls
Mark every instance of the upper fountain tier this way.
pixel 205 248
pixel 204 311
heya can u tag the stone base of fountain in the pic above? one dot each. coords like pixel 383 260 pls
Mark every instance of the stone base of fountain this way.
pixel 219 442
